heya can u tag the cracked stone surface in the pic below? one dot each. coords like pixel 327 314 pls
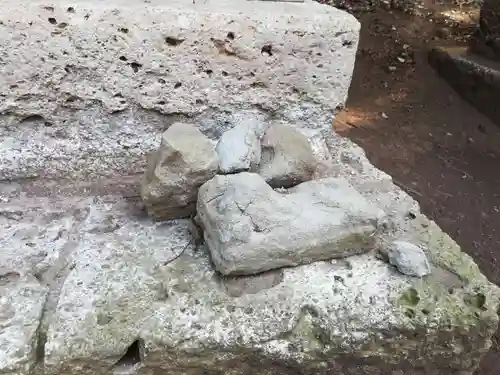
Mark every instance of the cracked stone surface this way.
pixel 114 282
pixel 87 93
pixel 250 228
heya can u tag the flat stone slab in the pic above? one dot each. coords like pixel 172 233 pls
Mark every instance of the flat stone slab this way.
pixel 126 295
pixel 475 78
pixel 86 93
pixel 250 228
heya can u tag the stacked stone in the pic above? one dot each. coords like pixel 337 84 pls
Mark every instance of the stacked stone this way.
pixel 309 253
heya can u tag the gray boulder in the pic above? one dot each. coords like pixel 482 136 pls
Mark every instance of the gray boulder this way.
pixel 408 258
pixel 287 157
pixel 185 160
pixel 250 228
pixel 239 148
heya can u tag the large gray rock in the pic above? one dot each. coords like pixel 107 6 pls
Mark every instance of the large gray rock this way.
pixel 249 228
pixel 185 161
pixel 87 94
pixel 287 157
pixel 239 148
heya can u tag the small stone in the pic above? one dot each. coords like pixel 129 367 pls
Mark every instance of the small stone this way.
pixel 288 158
pixel 409 259
pixel 249 228
pixel 239 147
pixel 400 59
pixel 185 161
pixel 384 115
pixel 392 68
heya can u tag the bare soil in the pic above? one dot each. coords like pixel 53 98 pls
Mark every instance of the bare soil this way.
pixel 416 128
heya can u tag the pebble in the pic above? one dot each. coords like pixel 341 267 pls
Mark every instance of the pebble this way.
pixel 409 259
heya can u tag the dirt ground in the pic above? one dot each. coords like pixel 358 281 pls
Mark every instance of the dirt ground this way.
pixel 415 127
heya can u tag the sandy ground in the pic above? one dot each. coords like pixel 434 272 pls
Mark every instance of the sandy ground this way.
pixel 416 128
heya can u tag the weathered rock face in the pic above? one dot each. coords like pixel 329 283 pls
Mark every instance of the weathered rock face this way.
pixel 185 161
pixel 87 93
pixel 249 228
pixel 287 157
pixel 90 285
pixel 126 295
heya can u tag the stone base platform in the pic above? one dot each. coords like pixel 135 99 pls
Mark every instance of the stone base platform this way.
pixel 91 286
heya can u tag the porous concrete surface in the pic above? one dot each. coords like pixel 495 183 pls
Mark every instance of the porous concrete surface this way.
pixel 250 228
pixel 87 87
pixel 185 160
pixel 113 278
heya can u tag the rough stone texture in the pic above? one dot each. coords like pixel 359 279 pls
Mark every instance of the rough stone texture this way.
pixel 475 78
pixel 120 280
pixel 408 258
pixel 239 148
pixel 185 160
pixel 486 41
pixel 288 156
pixel 249 228
pixel 86 94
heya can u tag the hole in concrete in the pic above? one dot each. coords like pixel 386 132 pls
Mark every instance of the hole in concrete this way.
pixel 478 301
pixel 9 277
pixel 177 85
pixel 267 50
pixel 238 286
pixel 347 43
pixel 425 312
pixel 70 10
pixel 49 8
pixel 162 81
pixel 62 25
pixel 123 30
pixel 209 71
pixel 171 41
pixel 411 215
pixel 123 58
pixel 135 66
pixel 410 313
pixel 131 358
pixel 230 35
pixel 410 297
pixel 86 17
pixel 224 73
pixel 52 21
pixel 32 118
